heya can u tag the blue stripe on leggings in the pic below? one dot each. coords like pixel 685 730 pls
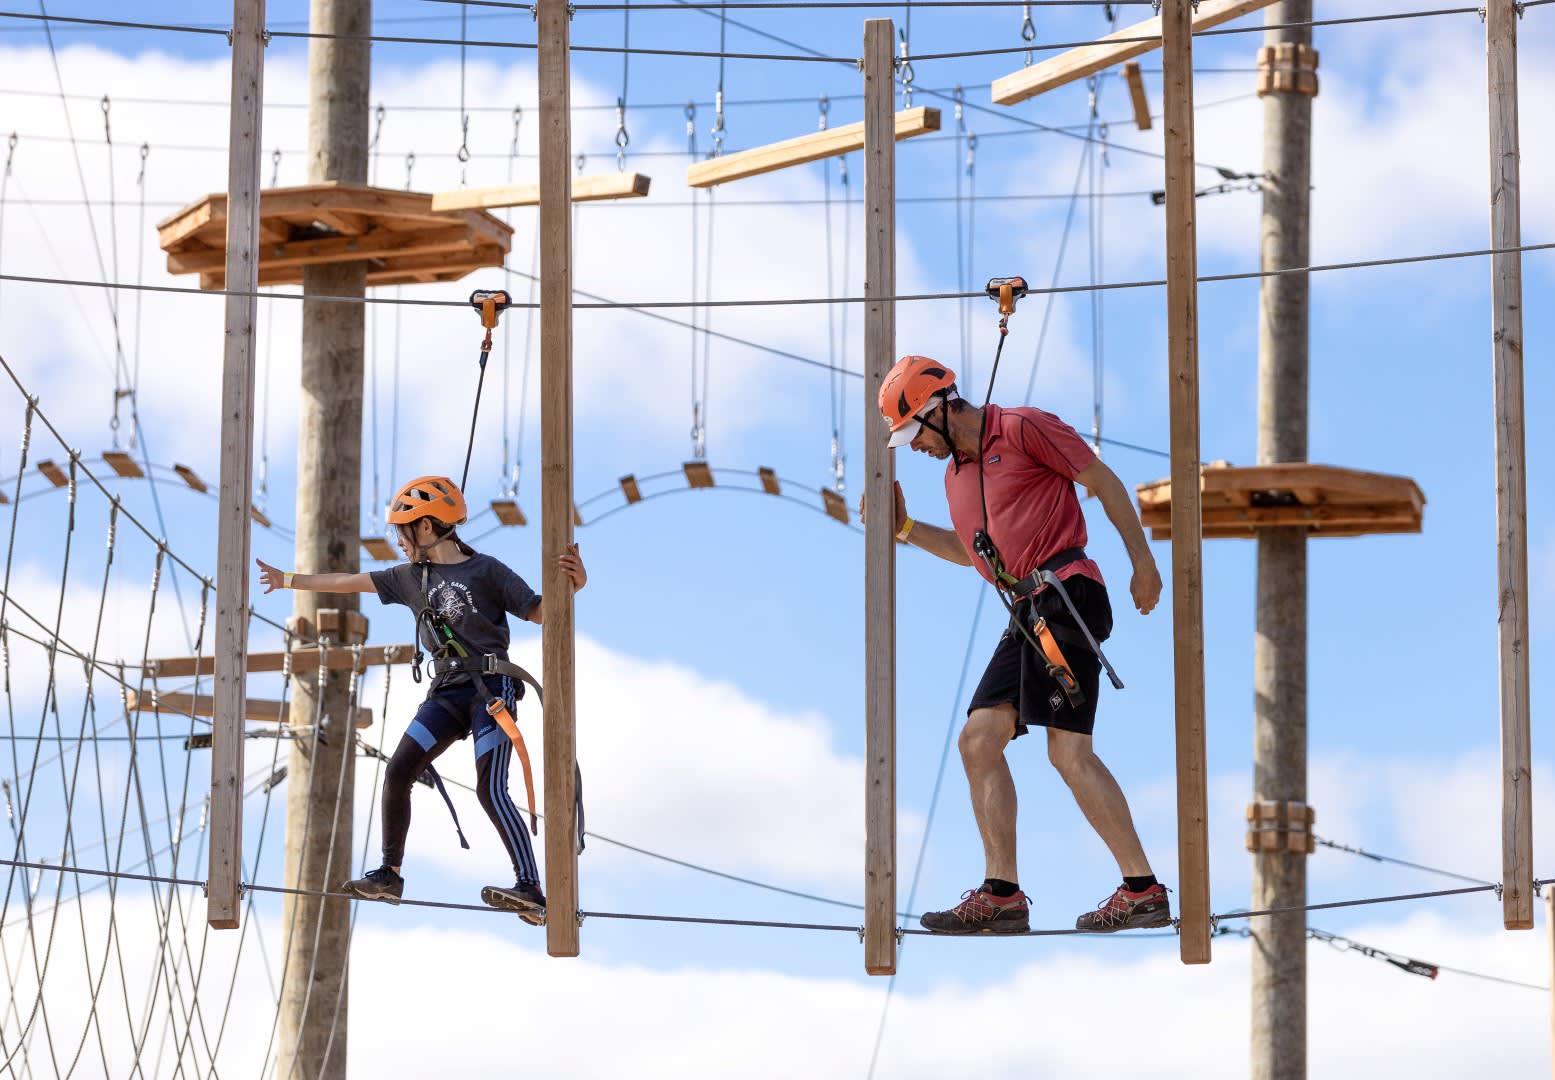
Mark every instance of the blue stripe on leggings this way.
pixel 423 736
pixel 490 740
pixel 527 870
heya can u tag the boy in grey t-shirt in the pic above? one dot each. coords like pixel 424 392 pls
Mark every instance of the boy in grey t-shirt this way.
pixel 448 583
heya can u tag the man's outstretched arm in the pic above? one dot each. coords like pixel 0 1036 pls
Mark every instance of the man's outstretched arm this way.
pixel 1103 483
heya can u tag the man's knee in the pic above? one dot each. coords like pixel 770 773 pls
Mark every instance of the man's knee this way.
pixel 986 733
pixel 1069 751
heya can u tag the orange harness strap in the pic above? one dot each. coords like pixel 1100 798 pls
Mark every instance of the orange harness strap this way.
pixel 1057 666
pixel 498 711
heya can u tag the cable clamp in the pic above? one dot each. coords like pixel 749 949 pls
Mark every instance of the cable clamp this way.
pixel 1498 890
pixel 264 37
pixel 900 933
pixel 1028 30
pixel 1481 14
pixel 228 32
pixel 861 935
pixel 581 916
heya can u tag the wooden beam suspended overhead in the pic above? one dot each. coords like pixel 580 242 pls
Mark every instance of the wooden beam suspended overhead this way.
pixel 1113 49
pixel 804 149
pixel 1136 95
pixel 254 709
pixel 584 189
pixel 304 659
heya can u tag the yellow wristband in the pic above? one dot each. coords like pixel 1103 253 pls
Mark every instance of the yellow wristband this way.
pixel 286 580
pixel 905 531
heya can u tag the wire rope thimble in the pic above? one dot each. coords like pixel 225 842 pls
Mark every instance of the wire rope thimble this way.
pixel 145 152
pixel 107 105
pixel 1028 29
pixel 824 106
pixel 463 153
pixel 904 67
pixel 971 153
pixel 410 167
pixel 378 114
pixel 623 140
pixel 718 123
pixel 10 151
pixel 958 95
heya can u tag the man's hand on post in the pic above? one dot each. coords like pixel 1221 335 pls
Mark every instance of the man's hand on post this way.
pixel 1145 585
pixel 900 516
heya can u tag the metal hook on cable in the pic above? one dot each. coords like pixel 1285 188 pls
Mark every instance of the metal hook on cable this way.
pixel 622 138
pixel 1028 29
pixel 718 123
pixel 971 153
pixel 581 162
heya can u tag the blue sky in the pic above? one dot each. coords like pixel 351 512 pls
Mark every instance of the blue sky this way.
pixel 721 677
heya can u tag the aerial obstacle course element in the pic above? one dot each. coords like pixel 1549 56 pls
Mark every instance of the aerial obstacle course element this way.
pixel 398 234
pixel 584 189
pixel 803 150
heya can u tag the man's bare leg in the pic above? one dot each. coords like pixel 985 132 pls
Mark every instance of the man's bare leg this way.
pixel 982 743
pixel 1100 798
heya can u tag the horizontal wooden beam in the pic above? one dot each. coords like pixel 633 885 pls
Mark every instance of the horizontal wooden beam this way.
pixel 261 712
pixel 804 149
pixel 1113 49
pixel 584 189
pixel 303 660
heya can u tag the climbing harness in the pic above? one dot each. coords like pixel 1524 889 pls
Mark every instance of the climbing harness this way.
pixel 453 656
pixel 491 303
pixel 1041 635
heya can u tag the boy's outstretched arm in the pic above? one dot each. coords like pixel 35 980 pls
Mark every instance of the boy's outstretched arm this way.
pixel 274 578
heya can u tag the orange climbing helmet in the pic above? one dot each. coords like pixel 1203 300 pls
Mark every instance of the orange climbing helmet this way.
pixel 910 387
pixel 436 497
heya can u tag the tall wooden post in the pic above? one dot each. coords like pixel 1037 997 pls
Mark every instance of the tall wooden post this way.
pixel 321 771
pixel 879 481
pixel 1182 341
pixel 1506 281
pixel 1279 956
pixel 237 457
pixel 556 503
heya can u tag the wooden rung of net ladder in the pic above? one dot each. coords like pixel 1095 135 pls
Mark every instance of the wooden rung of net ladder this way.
pixel 507 512
pixel 121 463
pixel 698 474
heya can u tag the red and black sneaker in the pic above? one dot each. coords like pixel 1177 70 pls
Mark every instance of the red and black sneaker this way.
pixel 1125 910
pixel 981 912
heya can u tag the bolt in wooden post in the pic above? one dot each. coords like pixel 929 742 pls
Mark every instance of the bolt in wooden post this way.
pixel 879 504
pixel 1506 280
pixel 1182 335
pixel 237 455
pixel 556 506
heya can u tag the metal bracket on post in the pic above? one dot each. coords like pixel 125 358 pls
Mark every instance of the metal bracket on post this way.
pixel 1280 826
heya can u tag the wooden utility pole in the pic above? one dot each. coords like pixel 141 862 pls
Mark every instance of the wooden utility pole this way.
pixel 237 459
pixel 556 502
pixel 1287 84
pixel 321 772
pixel 1506 279
pixel 1182 333
pixel 879 481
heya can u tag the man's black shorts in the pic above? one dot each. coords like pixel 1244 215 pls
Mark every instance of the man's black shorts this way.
pixel 1017 675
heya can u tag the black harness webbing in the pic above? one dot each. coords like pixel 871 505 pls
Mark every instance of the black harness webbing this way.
pixel 430 777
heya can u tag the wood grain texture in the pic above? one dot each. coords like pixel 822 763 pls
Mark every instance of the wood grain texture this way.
pixel 584 189
pixel 804 149
pixel 879 478
pixel 224 885
pixel 556 496
pixel 1187 548
pixel 1113 49
pixel 1506 280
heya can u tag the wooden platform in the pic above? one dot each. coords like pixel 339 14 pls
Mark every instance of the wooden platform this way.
pixel 399 235
pixel 1329 501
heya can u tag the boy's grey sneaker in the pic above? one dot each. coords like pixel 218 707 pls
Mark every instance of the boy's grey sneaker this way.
pixel 379 884
pixel 523 898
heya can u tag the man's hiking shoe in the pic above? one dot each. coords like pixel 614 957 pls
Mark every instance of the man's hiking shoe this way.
pixel 1125 910
pixel 981 912
pixel 379 884
pixel 524 898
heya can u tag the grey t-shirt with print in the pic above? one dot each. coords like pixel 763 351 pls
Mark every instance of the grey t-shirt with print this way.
pixel 474 597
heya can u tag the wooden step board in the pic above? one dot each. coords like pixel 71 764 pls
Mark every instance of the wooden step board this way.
pixel 1238 501
pixel 255 709
pixel 304 659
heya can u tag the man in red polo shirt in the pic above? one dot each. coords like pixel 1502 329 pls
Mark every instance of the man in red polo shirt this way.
pixel 1012 475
